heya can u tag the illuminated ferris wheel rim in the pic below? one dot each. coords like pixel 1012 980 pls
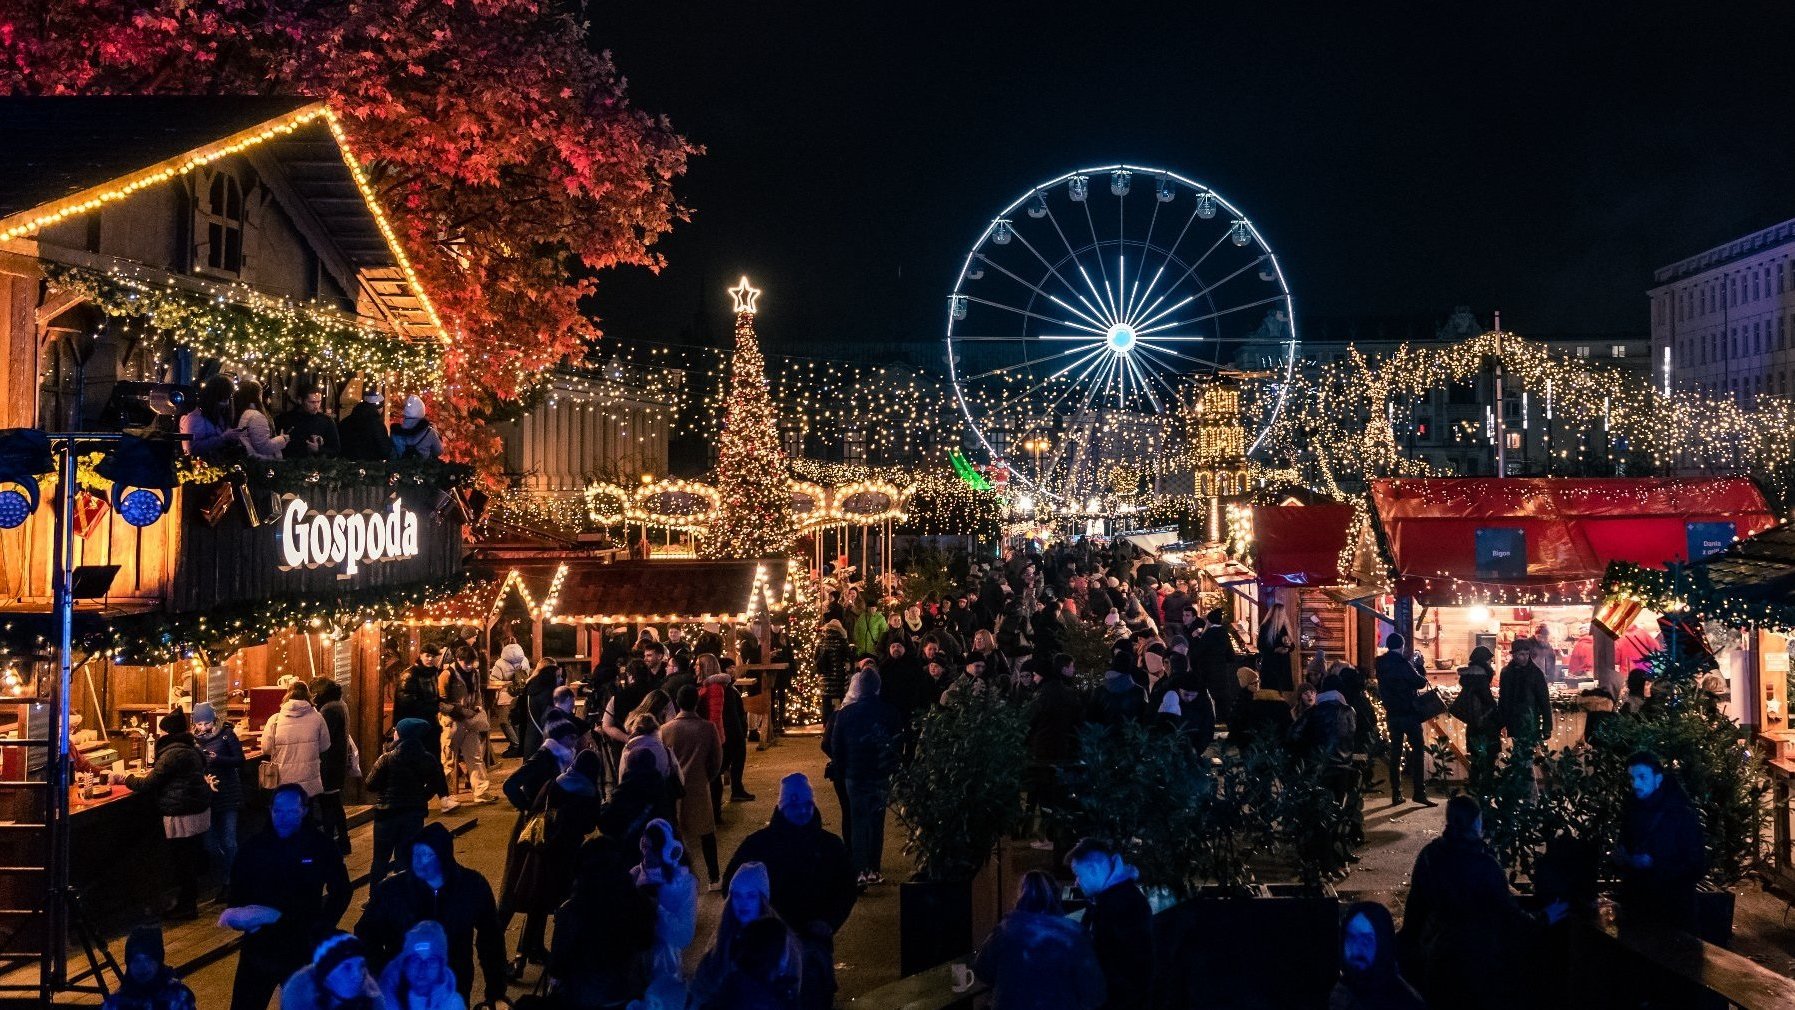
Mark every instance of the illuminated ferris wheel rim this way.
pixel 1119 325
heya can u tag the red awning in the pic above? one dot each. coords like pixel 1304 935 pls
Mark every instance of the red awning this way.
pixel 1300 545
pixel 1572 528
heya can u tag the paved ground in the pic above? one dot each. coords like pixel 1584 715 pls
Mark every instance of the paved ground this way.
pixel 866 951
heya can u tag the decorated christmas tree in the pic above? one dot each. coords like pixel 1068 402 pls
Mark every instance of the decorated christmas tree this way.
pixel 754 517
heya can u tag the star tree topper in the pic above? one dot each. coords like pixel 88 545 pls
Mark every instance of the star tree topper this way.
pixel 745 296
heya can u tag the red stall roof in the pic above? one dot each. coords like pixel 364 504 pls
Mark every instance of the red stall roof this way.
pixel 1572 526
pixel 1300 545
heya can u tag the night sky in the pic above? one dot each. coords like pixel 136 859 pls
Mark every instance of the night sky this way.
pixel 1401 158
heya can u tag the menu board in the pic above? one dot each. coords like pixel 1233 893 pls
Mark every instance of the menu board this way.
pixel 1501 553
pixel 1709 538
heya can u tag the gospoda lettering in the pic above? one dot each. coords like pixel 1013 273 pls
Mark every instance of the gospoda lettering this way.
pixel 345 539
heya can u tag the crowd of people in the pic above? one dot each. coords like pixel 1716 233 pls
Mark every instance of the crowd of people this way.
pixel 615 808
pixel 232 421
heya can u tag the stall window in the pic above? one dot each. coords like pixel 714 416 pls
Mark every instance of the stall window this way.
pixel 218 225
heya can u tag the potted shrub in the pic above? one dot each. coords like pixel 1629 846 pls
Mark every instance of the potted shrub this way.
pixel 958 793
pixel 1146 792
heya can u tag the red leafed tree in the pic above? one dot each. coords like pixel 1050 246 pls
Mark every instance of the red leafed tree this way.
pixel 505 148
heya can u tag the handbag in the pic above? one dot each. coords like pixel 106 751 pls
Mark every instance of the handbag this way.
pixel 268 774
pixel 1429 704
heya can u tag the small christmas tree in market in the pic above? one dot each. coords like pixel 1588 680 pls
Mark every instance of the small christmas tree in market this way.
pixel 754 516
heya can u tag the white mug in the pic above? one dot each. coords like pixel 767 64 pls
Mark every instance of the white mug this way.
pixel 963 977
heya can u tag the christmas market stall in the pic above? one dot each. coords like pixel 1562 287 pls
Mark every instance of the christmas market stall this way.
pixel 1302 558
pixel 152 248
pixel 1485 561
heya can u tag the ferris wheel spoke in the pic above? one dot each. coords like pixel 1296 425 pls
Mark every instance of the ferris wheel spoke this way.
pixel 1168 310
pixel 1021 364
pixel 1073 254
pixel 1152 367
pixel 1076 383
pixel 1073 288
pixel 1250 264
pixel 1146 244
pixel 1020 312
pixel 1140 379
pixel 1094 327
pixel 1149 345
pixel 1216 314
pixel 1097 253
pixel 1192 269
pixel 1172 250
pixel 1037 387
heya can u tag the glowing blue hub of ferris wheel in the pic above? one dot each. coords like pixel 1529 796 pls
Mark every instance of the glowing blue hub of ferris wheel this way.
pixel 1120 338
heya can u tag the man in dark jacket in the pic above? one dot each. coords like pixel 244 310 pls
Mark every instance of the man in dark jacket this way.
pixel 834 662
pixel 1054 714
pixel 313 433
pixel 363 431
pixel 861 742
pixel 1459 910
pixel 813 884
pixel 1212 656
pixel 1119 701
pixel 333 764
pixel 1398 682
pixel 903 684
pixel 1118 920
pixel 293 869
pixel 437 888
pixel 417 695
pixel 403 779
pixel 1523 698
pixel 1662 853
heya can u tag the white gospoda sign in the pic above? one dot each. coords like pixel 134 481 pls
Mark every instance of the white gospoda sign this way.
pixel 347 540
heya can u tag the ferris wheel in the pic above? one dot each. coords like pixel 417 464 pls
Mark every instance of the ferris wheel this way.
pixel 1093 312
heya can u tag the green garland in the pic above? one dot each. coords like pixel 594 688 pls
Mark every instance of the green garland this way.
pixel 1732 607
pixel 156 638
pixel 248 330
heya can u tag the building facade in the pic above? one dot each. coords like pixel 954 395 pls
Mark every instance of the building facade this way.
pixel 1721 319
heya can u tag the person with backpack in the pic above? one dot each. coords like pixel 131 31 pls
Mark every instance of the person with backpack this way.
pixel 1476 707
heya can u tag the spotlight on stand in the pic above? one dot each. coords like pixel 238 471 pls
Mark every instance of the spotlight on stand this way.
pixel 143 479
pixel 140 404
pixel 24 456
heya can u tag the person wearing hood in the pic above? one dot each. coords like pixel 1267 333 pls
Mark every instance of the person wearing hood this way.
pixel 148 983
pixel 337 979
pixel 1118 920
pixel 184 799
pixel 420 977
pixel 662 876
pixel 1037 958
pixel 1662 853
pixel 1119 701
pixel 750 898
pixel 697 749
pixel 1369 979
pixel 1458 905
pixel 1476 707
pixel 295 739
pixel 288 887
pixel 508 674
pixel 363 430
pixel 537 697
pixel 403 779
pixel 1261 717
pixel 604 933
pixel 539 877
pixel 223 752
pixel 413 436
pixel 333 764
pixel 834 663
pixel 812 883
pixel 721 705
pixel 436 888
pixel 862 745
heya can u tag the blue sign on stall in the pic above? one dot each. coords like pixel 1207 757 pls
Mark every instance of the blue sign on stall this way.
pixel 1709 538
pixel 1501 553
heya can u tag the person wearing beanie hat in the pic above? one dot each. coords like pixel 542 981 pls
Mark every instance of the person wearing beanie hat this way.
pixel 750 898
pixel 420 977
pixel 223 752
pixel 812 884
pixel 363 430
pixel 414 437
pixel 436 887
pixel 403 779
pixel 184 799
pixel 862 747
pixel 337 979
pixel 148 983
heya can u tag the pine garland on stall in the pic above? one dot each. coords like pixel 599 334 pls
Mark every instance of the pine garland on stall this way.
pixel 754 515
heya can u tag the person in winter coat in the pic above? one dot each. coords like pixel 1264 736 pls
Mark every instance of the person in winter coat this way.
pixel 868 629
pixel 510 671
pixel 333 764
pixel 363 430
pixel 1196 712
pixel 1054 716
pixel 1261 716
pixel 861 743
pixel 1369 979
pixel 1323 739
pixel 420 977
pixel 834 664
pixel 663 877
pixel 1662 854
pixel 750 898
pixel 642 794
pixel 295 739
pixel 769 970
pixel 311 431
pixel 1366 739
pixel 1398 683
pixel 1277 653
pixel 435 887
pixel 184 799
pixel 997 665
pixel 1036 958
pixel 404 777
pixel 902 682
pixel 1459 910
pixel 337 979
pixel 1212 656
pixel 463 707
pixel 148 983
pixel 210 432
pixel 1119 702
pixel 288 887
pixel 721 704
pixel 604 934
pixel 1523 698
pixel 1118 920
pixel 417 695
pixel 813 885
pixel 537 698
pixel 697 748
pixel 538 881
pixel 223 752
pixel 1476 707
pixel 413 436
pixel 254 429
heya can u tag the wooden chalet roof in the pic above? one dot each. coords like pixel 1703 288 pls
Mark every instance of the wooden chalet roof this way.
pixel 627 592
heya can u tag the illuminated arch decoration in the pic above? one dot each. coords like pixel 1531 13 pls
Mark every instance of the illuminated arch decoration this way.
pixel 679 505
pixel 869 503
pixel 810 503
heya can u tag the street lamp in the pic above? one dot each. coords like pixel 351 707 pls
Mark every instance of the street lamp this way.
pixel 1037 446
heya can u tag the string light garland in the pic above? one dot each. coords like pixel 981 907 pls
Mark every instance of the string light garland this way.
pixel 753 518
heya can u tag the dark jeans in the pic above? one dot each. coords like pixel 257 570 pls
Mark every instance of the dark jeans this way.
pixel 332 818
pixel 256 982
pixel 392 828
pixel 221 842
pixel 187 862
pixel 1407 730
pixel 847 818
pixel 867 800
pixel 735 761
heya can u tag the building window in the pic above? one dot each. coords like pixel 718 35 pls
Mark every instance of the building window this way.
pixel 1617 351
pixel 1513 438
pixel 218 225
pixel 1582 350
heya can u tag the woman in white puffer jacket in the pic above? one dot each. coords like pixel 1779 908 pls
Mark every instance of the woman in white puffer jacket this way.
pixel 295 738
